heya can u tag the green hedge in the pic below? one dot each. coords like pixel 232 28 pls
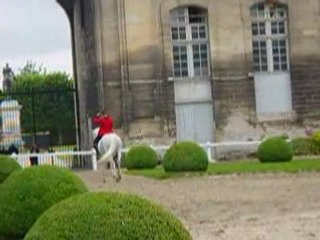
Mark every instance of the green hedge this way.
pixel 315 138
pixel 7 166
pixel 141 157
pixel 303 146
pixel 275 149
pixel 185 156
pixel 26 194
pixel 112 216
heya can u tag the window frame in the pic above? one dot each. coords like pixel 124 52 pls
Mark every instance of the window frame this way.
pixel 180 18
pixel 280 16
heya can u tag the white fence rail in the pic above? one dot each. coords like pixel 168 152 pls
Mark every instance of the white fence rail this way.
pixel 88 159
pixel 70 159
pixel 208 146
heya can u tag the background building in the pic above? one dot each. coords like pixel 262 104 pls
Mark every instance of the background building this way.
pixel 203 69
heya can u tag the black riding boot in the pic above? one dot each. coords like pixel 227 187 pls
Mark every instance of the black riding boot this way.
pixel 96 148
pixel 95 144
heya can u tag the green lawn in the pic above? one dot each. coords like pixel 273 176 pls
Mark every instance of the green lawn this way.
pixel 243 167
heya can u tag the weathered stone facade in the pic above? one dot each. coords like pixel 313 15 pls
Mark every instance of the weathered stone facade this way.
pixel 123 60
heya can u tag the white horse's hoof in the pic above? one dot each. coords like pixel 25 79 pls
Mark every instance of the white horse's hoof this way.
pixel 108 165
pixel 118 179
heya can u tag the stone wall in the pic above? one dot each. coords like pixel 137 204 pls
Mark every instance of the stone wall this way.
pixel 305 57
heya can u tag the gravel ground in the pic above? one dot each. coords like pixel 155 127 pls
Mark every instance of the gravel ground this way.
pixel 246 207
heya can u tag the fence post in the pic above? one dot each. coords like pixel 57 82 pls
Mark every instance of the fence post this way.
pixel 94 160
pixel 52 160
pixel 90 132
pixel 209 153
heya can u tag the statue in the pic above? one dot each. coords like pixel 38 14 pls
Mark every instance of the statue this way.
pixel 8 78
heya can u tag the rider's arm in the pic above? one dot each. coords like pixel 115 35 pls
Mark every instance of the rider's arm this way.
pixel 97 119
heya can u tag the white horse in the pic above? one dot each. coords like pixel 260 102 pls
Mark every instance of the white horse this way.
pixel 109 148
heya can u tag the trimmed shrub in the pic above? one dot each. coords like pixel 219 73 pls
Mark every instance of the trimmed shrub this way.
pixel 185 156
pixel 275 149
pixel 7 166
pixel 315 137
pixel 107 216
pixel 302 146
pixel 140 157
pixel 26 194
pixel 123 160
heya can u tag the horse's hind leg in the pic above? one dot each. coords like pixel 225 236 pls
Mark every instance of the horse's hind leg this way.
pixel 108 165
pixel 113 168
pixel 118 165
pixel 104 174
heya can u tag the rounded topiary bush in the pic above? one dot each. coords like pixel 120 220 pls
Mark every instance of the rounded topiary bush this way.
pixel 185 156
pixel 275 149
pixel 107 216
pixel 140 157
pixel 26 194
pixel 7 166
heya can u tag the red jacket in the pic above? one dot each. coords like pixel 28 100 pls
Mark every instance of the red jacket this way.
pixel 106 124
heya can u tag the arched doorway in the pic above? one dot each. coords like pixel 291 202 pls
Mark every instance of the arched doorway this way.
pixel 40 31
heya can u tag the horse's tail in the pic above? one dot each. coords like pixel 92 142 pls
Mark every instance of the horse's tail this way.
pixel 109 153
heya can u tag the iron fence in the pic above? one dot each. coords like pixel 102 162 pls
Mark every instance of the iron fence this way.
pixel 42 117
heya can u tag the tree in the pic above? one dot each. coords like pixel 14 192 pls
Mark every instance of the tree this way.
pixel 47 101
pixel 31 67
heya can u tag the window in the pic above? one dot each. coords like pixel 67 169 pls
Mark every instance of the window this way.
pixel 269 37
pixel 189 34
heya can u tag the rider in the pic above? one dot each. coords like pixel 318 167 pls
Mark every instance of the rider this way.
pixel 106 126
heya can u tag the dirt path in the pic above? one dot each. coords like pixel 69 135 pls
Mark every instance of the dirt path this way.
pixel 250 207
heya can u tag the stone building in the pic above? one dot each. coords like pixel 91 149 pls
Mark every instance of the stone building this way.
pixel 203 69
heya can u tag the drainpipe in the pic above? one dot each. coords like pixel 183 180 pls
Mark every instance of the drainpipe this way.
pixel 123 55
pixel 99 51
